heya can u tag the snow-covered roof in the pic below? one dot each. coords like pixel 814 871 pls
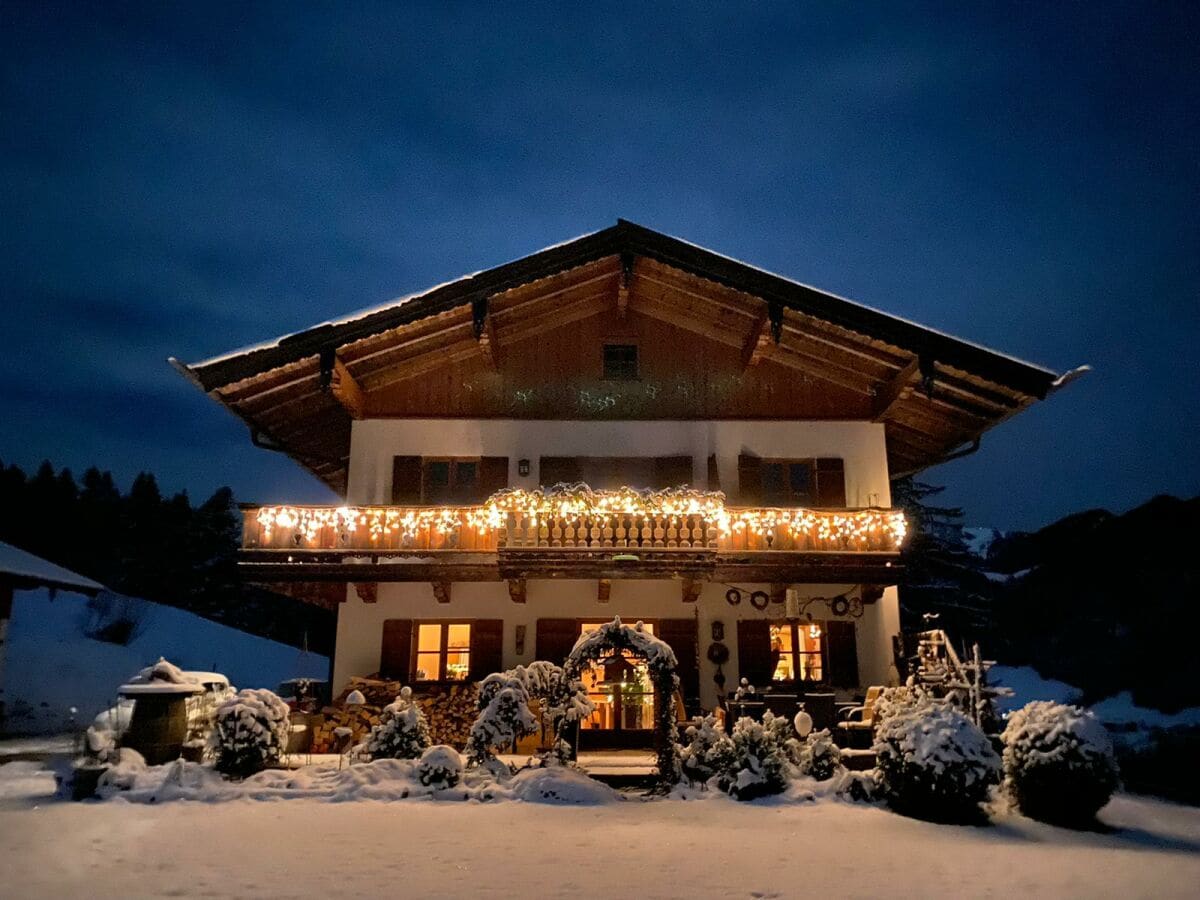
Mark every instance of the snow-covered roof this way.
pixel 26 571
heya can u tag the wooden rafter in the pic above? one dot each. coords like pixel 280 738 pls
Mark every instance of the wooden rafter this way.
pixel 347 390
pixel 758 343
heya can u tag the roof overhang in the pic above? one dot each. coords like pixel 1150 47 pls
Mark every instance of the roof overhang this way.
pixel 935 393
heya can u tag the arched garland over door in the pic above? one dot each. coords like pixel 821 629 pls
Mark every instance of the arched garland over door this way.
pixel 615 637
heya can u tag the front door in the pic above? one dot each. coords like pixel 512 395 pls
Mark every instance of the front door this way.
pixel 623 695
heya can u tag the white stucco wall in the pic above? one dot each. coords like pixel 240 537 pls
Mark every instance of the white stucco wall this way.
pixel 375 441
pixel 360 625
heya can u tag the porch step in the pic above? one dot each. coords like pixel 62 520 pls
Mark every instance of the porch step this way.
pixel 858 760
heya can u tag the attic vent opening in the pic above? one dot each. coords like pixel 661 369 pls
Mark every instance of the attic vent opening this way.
pixel 621 362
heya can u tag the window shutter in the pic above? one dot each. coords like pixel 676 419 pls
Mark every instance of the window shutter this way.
pixel 555 638
pixel 831 483
pixel 395 652
pixel 672 471
pixel 487 647
pixel 754 651
pixel 493 475
pixel 554 469
pixel 714 474
pixel 842 653
pixel 680 636
pixel 406 480
pixel 749 480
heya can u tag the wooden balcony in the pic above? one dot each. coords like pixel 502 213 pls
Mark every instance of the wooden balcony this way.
pixel 473 543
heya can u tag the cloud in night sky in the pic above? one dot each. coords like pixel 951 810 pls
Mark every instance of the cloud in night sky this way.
pixel 182 181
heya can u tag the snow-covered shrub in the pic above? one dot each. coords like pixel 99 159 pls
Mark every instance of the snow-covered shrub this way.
pixel 859 786
pixel 561 700
pixel 820 757
pixel 402 732
pixel 708 751
pixel 893 700
pixel 1058 762
pixel 504 716
pixel 250 733
pixel 934 762
pixel 440 767
pixel 760 763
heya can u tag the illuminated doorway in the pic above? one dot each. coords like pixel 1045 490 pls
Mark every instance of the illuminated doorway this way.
pixel 620 687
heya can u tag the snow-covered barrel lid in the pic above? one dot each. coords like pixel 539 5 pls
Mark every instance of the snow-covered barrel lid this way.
pixel 161 678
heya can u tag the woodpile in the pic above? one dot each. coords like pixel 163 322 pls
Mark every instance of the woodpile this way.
pixel 450 710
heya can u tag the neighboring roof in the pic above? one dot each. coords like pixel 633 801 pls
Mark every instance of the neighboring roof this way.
pixel 27 572
pixel 258 382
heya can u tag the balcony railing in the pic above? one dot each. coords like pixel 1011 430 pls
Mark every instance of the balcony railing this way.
pixel 489 528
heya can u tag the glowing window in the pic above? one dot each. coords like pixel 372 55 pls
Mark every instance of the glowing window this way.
pixel 443 651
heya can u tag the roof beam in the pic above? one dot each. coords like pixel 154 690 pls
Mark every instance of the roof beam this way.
pixel 889 392
pixel 758 342
pixel 347 390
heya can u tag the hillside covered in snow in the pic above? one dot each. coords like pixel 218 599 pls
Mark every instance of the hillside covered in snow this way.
pixel 57 658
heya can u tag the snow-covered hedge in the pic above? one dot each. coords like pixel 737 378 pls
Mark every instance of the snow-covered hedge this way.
pixel 934 762
pixel 1058 762
pixel 250 733
pixel 820 757
pixel 708 751
pixel 402 732
pixel 440 767
pixel 759 766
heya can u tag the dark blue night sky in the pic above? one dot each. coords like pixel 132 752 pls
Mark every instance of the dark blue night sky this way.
pixel 188 180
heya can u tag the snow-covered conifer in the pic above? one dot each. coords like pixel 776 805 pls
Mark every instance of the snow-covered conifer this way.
pixel 440 767
pixel 820 757
pixel 504 716
pixel 760 762
pixel 402 732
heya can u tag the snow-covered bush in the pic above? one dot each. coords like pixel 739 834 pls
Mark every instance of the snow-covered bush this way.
pixel 402 732
pixel 862 787
pixel 934 762
pixel 893 700
pixel 440 767
pixel 504 716
pixel 820 757
pixel 708 751
pixel 250 733
pixel 1058 762
pixel 561 700
pixel 760 762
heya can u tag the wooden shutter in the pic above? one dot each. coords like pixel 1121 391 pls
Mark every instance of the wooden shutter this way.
pixel 406 480
pixel 554 469
pixel 831 483
pixel 842 653
pixel 714 474
pixel 487 648
pixel 493 476
pixel 555 638
pixel 749 480
pixel 395 652
pixel 754 652
pixel 672 471
pixel 680 635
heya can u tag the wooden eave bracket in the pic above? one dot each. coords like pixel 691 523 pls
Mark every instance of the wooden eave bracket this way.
pixel 516 590
pixel 336 378
pixel 441 591
pixel 757 343
pixel 690 589
pixel 483 324
pixel 368 591
pixel 603 590
pixel 888 394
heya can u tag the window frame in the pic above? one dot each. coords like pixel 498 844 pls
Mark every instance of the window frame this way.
pixel 821 653
pixel 452 487
pixel 443 650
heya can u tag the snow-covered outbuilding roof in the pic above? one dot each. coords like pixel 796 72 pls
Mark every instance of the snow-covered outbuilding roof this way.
pixel 24 571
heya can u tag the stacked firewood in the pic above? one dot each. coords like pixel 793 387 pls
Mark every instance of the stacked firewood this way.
pixel 449 709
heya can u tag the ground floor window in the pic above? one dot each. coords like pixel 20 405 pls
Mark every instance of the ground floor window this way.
pixel 796 651
pixel 620 688
pixel 443 651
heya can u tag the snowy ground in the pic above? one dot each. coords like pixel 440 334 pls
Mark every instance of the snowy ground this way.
pixel 660 848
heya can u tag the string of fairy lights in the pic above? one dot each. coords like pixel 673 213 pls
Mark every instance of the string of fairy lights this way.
pixel 578 504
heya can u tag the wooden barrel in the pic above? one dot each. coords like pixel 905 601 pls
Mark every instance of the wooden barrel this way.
pixel 158 728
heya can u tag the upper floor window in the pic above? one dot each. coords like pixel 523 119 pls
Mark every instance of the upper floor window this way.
pixel 437 480
pixel 792 482
pixel 621 362
pixel 611 472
